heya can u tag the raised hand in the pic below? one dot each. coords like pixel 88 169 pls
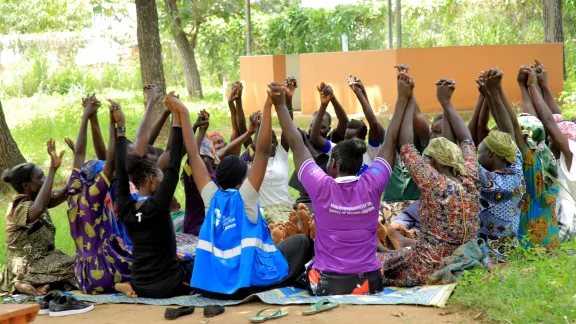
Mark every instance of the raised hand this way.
pixel 493 79
pixel 405 85
pixel 152 92
pixel 356 84
pixel 522 77
pixel 291 84
pixel 482 86
pixel 402 68
pixel 530 72
pixel 541 72
pixel 326 93
pixel 239 89
pixel 170 101
pixel 444 89
pixel 70 144
pixel 55 160
pixel 90 104
pixel 203 120
pixel 277 94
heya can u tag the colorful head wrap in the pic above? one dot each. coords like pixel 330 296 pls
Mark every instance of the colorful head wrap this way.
pixel 207 149
pixel 212 134
pixel 90 169
pixel 502 145
pixel 533 131
pixel 446 153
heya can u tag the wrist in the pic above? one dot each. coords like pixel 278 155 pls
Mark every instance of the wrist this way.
pixel 444 102
pixel 53 169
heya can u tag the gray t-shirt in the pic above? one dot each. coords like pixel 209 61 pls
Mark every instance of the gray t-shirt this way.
pixel 249 196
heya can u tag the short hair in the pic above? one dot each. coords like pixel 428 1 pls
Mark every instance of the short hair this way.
pixel 231 171
pixel 348 155
pixel 360 126
pixel 326 115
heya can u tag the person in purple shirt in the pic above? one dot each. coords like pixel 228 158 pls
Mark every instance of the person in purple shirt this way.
pixel 345 205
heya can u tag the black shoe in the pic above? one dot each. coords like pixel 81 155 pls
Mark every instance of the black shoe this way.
pixel 68 305
pixel 211 311
pixel 45 302
pixel 174 313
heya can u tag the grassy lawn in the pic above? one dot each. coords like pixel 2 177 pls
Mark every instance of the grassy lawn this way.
pixel 534 287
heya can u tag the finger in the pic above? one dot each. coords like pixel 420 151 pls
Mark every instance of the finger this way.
pixel 61 154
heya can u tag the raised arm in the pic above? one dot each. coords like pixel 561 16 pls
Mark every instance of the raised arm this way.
pixel 315 132
pixel 97 140
pixel 404 106
pixel 263 146
pixel 157 127
pixel 376 132
pixel 474 122
pixel 290 85
pixel 545 116
pixel 143 133
pixel 447 130
pixel 496 105
pixel 546 93
pixel 44 195
pixel 444 93
pixel 527 105
pixel 110 155
pixel 199 171
pixel 236 144
pixel 233 116
pixel 91 105
pixel 293 135
pixel 341 115
pixel 240 117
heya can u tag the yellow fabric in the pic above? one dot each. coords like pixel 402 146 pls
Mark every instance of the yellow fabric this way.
pixel 502 145
pixel 446 153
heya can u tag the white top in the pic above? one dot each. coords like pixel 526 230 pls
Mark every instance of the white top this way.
pixel 566 204
pixel 247 192
pixel 367 158
pixel 274 188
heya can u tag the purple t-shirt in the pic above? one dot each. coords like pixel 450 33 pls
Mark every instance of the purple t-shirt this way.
pixel 346 216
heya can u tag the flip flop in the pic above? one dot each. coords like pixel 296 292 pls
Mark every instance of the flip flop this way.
pixel 321 306
pixel 259 318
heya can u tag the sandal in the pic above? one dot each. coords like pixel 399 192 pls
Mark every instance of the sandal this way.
pixel 321 306
pixel 259 318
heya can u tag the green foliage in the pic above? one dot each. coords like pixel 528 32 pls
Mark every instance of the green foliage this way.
pixel 38 16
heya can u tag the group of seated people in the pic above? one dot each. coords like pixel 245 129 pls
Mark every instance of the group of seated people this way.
pixel 368 215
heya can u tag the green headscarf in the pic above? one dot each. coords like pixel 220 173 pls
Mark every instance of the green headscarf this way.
pixel 446 153
pixel 535 135
pixel 502 145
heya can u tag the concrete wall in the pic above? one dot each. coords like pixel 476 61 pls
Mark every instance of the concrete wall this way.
pixel 375 69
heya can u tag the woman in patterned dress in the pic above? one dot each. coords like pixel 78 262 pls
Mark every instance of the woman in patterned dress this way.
pixel 500 174
pixel 447 178
pixel 101 262
pixel 34 265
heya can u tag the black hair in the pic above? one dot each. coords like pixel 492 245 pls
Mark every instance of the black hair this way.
pixel 438 118
pixel 360 126
pixel 326 115
pixel 348 155
pixel 231 171
pixel 139 169
pixel 152 150
pixel 17 175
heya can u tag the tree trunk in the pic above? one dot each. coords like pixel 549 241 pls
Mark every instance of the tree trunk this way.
pixel 557 26
pixel 9 153
pixel 186 49
pixel 150 50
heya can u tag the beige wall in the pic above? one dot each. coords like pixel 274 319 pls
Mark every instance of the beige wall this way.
pixel 375 69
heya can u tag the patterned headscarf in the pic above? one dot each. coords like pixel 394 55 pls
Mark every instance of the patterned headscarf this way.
pixel 90 169
pixel 533 131
pixel 208 149
pixel 502 145
pixel 446 153
pixel 212 134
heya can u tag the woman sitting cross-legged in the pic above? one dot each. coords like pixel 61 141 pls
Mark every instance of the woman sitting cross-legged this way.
pixel 236 256
pixel 447 177
pixel 34 264
pixel 156 270
pixel 346 205
pixel 101 262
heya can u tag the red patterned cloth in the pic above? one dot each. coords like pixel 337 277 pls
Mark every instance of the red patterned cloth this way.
pixel 449 214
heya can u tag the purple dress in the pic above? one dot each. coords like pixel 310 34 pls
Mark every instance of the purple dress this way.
pixel 100 260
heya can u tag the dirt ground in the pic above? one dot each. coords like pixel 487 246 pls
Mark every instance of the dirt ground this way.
pixel 145 314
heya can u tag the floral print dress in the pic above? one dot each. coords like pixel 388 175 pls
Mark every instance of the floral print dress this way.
pixel 538 221
pixel 500 203
pixel 101 261
pixel 449 214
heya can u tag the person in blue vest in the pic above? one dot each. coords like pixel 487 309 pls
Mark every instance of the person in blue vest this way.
pixel 236 256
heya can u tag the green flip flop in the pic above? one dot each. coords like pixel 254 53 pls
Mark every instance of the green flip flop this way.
pixel 321 306
pixel 259 318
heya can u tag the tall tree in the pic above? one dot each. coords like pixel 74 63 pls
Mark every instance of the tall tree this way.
pixel 185 21
pixel 9 153
pixel 556 24
pixel 150 50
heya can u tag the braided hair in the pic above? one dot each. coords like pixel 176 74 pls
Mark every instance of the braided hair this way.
pixel 348 156
pixel 139 169
pixel 18 175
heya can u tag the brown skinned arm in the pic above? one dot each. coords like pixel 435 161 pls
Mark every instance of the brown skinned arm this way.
pixel 80 150
pixel 43 198
pixel 421 126
pixel 315 136
pixel 499 112
pixel 242 121
pixel 376 132
pixel 283 140
pixel 447 130
pixel 549 98
pixel 461 131
pixel 235 130
pixel 110 155
pixel 263 148
pixel 235 145
pixel 388 150
pixel 58 197
pixel 483 119
pixel 97 140
pixel 157 127
pixel 341 116
pixel 143 133
pixel 473 123
pixel 527 104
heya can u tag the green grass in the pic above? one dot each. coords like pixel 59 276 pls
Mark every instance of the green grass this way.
pixel 535 287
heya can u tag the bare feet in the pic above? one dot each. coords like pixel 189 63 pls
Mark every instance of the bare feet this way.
pixel 27 289
pixel 312 227
pixel 382 233
pixel 126 289
pixel 294 220
pixel 304 216
pixel 277 234
pixel 398 241
pixel 400 228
